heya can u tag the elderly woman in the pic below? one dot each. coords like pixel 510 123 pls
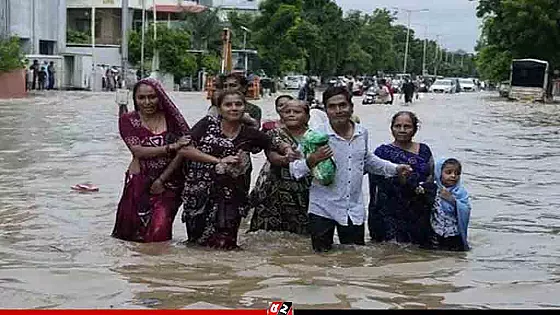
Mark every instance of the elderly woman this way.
pixel 400 208
pixel 280 201
pixel 153 133
pixel 215 197
pixel 279 103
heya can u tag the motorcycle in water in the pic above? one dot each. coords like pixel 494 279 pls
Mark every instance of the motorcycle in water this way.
pixel 370 97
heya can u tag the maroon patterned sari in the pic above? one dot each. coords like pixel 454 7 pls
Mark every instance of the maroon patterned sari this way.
pixel 141 216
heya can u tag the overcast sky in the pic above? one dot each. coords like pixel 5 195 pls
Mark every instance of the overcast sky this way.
pixel 454 20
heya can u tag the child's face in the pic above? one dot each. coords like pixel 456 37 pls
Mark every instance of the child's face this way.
pixel 450 175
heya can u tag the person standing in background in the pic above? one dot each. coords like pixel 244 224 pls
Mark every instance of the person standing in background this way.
pixel 51 75
pixel 35 68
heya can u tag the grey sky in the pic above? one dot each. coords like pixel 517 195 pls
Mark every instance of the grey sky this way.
pixel 454 20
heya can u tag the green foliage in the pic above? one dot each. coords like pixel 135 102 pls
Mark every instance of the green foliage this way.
pixel 11 54
pixel 211 62
pixel 493 63
pixel 517 29
pixel 77 37
pixel 205 28
pixel 314 37
pixel 172 44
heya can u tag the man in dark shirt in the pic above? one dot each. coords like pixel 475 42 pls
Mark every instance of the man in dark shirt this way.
pixel 35 68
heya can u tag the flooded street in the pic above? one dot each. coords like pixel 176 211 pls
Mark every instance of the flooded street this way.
pixel 56 250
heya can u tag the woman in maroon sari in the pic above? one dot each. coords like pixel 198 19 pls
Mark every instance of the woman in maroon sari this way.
pixel 154 132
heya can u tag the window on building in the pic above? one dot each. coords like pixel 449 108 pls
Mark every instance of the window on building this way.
pixel 25 44
pixel 46 47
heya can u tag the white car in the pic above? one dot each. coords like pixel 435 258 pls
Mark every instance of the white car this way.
pixel 442 86
pixel 467 85
pixel 294 82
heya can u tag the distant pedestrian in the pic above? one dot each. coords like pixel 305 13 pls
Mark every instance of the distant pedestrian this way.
pixel 51 71
pixel 42 78
pixel 35 68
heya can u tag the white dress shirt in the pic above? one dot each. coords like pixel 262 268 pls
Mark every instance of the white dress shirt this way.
pixel 343 198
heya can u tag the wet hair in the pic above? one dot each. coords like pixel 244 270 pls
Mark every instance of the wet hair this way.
pixel 453 162
pixel 223 95
pixel 281 97
pixel 413 117
pixel 215 97
pixel 303 104
pixel 241 79
pixel 334 91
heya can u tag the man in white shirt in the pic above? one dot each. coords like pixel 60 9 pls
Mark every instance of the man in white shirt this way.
pixel 340 205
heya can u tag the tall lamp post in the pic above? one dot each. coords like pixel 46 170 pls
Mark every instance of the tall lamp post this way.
pixel 409 12
pixel 245 31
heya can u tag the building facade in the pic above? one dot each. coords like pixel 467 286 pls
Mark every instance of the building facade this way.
pixel 242 5
pixel 40 24
pixel 108 28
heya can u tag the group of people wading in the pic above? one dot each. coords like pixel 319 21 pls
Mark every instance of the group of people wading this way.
pixel 207 169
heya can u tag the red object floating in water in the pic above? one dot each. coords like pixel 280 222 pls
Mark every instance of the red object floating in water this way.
pixel 85 187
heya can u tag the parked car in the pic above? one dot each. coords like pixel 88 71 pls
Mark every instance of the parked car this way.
pixel 467 85
pixel 443 86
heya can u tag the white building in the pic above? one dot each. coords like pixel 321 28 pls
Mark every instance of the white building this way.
pixel 242 5
pixel 40 24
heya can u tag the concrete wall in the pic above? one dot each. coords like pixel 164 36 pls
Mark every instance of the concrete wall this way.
pixel 37 20
pixel 12 84
pixel 104 55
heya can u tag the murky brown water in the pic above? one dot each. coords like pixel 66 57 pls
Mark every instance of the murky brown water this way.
pixel 56 252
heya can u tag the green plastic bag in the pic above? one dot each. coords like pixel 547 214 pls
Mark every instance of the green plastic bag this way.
pixel 325 171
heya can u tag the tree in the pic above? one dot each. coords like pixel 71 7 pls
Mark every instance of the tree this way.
pixel 205 28
pixel 172 45
pixel 517 29
pixel 11 54
pixel 276 28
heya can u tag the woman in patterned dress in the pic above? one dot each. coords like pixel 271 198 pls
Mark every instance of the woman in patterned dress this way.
pixel 215 197
pixel 280 201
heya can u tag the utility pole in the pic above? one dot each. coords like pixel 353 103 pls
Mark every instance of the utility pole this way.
pixel 143 39
pixel 245 30
pixel 94 66
pixel 409 12
pixel 155 60
pixel 124 42
pixel 424 52
pixel 436 56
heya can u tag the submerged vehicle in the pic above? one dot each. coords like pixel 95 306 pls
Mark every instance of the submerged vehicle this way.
pixel 529 80
pixel 371 96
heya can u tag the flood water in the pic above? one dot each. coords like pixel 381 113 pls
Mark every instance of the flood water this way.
pixel 56 250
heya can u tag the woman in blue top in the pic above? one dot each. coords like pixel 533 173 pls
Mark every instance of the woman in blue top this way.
pixel 400 208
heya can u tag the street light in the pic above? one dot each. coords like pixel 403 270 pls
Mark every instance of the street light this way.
pixel 245 31
pixel 409 12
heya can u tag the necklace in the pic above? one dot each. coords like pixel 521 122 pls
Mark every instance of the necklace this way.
pixel 154 124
